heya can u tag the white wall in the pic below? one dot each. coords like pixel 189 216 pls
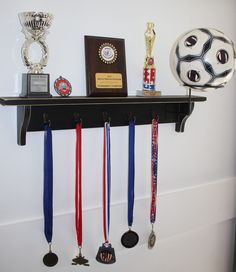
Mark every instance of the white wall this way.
pixel 196 207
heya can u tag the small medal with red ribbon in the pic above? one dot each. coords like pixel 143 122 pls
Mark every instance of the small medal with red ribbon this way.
pixel 80 259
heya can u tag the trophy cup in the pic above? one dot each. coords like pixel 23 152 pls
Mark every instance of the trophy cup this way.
pixel 35 27
pixel 149 70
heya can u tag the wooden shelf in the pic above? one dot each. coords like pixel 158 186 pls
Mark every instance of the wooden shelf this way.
pixel 61 111
pixel 82 100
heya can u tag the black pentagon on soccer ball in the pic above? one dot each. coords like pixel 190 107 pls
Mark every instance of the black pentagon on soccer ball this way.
pixel 193 75
pixel 222 56
pixel 190 41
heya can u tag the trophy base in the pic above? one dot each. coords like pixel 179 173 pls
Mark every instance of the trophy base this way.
pixel 148 93
pixel 35 85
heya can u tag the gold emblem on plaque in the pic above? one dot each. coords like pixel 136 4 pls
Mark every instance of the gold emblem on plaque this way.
pixel 107 53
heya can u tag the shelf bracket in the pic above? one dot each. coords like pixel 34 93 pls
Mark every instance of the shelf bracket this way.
pixel 23 119
pixel 183 117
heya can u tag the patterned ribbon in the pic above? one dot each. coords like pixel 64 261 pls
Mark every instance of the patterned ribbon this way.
pixel 154 167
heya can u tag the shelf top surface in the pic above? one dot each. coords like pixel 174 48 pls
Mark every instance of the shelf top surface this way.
pixel 84 100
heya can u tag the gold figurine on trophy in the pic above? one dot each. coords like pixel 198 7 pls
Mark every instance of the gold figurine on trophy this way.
pixel 149 70
pixel 150 36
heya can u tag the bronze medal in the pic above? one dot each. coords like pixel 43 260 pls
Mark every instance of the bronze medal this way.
pixel 50 259
pixel 106 254
pixel 129 239
pixel 80 260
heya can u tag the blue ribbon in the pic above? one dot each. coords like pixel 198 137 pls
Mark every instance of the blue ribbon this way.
pixel 131 173
pixel 48 184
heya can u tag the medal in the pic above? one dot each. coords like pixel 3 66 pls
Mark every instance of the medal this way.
pixel 130 238
pixel 80 260
pixel 152 236
pixel 62 86
pixel 151 240
pixel 50 259
pixel 106 254
pixel 78 197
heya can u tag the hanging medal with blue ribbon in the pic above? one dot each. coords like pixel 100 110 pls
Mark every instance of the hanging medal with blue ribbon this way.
pixel 106 253
pixel 50 259
pixel 154 169
pixel 130 238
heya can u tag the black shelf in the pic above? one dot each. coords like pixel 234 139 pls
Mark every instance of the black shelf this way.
pixel 82 100
pixel 61 111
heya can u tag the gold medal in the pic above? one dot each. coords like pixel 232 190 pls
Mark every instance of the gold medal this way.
pixel 151 240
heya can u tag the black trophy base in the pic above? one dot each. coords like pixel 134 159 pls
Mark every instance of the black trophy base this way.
pixel 35 85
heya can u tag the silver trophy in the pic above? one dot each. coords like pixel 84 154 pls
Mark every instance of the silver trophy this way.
pixel 35 27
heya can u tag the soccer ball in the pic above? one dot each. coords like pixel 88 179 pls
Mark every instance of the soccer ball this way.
pixel 203 59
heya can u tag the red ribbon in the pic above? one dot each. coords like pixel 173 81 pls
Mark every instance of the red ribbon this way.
pixel 78 185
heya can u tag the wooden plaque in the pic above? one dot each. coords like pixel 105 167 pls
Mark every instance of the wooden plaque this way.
pixel 105 66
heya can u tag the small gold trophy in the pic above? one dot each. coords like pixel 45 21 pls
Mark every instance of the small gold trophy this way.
pixel 149 70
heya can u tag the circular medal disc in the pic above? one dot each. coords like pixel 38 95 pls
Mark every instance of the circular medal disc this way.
pixel 129 239
pixel 62 86
pixel 151 240
pixel 50 259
